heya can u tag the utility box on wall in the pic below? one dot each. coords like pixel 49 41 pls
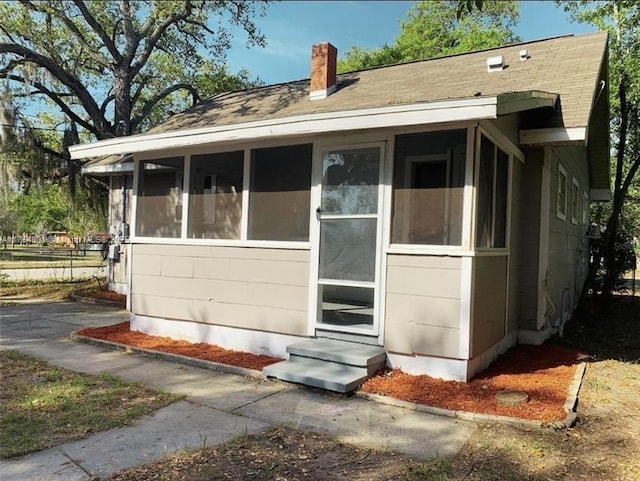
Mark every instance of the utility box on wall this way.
pixel 114 253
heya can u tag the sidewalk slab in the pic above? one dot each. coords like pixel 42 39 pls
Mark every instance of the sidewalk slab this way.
pixel 179 426
pixel 356 421
pixel 218 406
pixel 49 465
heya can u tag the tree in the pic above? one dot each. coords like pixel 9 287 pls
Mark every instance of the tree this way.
pixel 112 68
pixel 621 18
pixel 433 29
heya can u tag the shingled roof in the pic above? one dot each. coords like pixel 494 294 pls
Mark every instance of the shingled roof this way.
pixel 568 66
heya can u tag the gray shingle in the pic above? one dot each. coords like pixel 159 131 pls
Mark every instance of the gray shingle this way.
pixel 567 65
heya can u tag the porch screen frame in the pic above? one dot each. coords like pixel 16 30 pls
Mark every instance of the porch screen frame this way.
pixel 511 157
pixel 186 154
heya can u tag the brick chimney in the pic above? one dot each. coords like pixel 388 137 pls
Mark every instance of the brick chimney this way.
pixel 323 70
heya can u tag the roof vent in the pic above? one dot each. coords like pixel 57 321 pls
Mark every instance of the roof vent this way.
pixel 323 70
pixel 495 64
pixel 524 55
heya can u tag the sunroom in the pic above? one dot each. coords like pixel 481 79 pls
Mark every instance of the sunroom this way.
pixel 365 237
pixel 382 208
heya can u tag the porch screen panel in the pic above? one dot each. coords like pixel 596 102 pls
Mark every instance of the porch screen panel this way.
pixel 348 249
pixel 428 188
pixel 280 193
pixel 493 183
pixel 502 179
pixel 215 195
pixel 485 193
pixel 159 202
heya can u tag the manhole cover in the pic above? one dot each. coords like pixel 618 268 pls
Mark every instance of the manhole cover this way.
pixel 511 398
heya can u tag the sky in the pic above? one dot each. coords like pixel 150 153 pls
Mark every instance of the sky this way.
pixel 292 27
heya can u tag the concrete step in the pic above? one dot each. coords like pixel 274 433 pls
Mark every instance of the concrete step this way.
pixel 318 373
pixel 359 355
pixel 329 364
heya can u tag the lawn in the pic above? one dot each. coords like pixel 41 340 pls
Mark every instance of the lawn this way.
pixel 15 291
pixel 42 406
pixel 23 257
pixel 602 445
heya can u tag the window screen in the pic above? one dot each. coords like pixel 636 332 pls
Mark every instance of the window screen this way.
pixel 491 197
pixel 428 188
pixel 280 192
pixel 159 203
pixel 215 195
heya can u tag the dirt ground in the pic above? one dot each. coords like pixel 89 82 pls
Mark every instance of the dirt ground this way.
pixel 603 445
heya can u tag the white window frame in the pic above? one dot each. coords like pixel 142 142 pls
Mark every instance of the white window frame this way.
pixel 184 239
pixel 562 172
pixel 585 208
pixel 510 157
pixel 575 195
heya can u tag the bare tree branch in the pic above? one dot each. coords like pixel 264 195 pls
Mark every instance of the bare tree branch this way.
pixel 127 25
pixel 97 28
pixel 102 127
pixel 157 34
pixel 73 28
pixel 55 97
pixel 151 103
pixel 110 98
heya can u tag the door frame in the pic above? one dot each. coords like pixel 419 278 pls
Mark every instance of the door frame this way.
pixel 314 319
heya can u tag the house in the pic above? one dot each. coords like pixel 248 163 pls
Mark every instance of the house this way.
pixel 428 215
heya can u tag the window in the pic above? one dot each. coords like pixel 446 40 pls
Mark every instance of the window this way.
pixel 215 195
pixel 428 188
pixel 575 199
pixel 159 204
pixel 585 208
pixel 561 196
pixel 280 193
pixel 493 181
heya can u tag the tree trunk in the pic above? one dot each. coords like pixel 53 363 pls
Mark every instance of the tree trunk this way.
pixel 122 90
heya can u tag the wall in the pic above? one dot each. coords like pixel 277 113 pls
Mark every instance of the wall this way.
pixel 525 241
pixel 423 305
pixel 568 248
pixel 116 199
pixel 489 302
pixel 254 288
pixel 117 270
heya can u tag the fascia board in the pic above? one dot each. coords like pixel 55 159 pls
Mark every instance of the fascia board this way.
pixel 519 101
pixel 553 135
pixel 404 115
pixel 117 168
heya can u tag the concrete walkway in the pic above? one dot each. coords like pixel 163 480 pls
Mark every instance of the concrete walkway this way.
pixel 217 406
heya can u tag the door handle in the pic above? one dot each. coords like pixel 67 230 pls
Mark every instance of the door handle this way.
pixel 318 213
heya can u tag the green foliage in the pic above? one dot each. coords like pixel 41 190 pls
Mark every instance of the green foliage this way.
pixel 621 19
pixel 50 208
pixel 433 29
pixel 116 67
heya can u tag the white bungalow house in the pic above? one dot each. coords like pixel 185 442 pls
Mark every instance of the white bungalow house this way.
pixel 429 214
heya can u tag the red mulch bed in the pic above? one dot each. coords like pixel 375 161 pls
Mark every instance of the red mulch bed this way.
pixel 543 372
pixel 121 333
pixel 104 295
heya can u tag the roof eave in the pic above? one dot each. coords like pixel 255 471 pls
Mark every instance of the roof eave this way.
pixel 476 108
pixel 125 167
pixel 512 102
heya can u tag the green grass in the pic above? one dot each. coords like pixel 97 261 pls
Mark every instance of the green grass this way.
pixel 41 257
pixel 42 406
pixel 46 288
